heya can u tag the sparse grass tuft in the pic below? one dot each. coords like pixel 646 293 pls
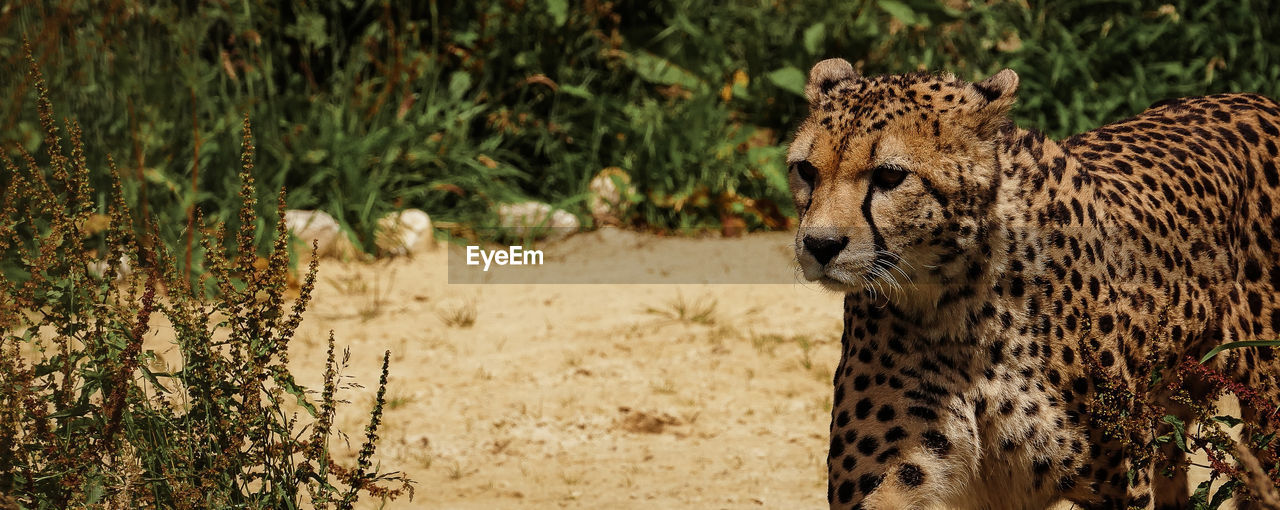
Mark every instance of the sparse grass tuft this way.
pixel 768 343
pixel 805 347
pixel 664 387
pixel 460 316
pixel 397 401
pixel 457 471
pixel 699 311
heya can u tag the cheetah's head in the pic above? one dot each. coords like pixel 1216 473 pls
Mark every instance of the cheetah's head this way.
pixel 893 176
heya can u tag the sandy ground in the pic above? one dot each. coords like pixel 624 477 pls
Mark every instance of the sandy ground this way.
pixel 587 396
pixel 591 396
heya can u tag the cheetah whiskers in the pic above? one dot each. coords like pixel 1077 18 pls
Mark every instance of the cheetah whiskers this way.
pixel 884 279
pixel 886 268
pixel 892 264
pixel 882 275
pixel 869 285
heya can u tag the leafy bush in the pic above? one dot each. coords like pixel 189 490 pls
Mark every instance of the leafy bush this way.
pixel 87 416
pixel 456 106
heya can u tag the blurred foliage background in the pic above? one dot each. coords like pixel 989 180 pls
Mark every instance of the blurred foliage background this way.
pixel 364 106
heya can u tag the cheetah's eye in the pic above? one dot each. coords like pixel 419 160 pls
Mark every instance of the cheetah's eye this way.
pixel 887 177
pixel 806 170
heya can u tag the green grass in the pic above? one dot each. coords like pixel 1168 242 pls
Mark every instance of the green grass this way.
pixel 455 107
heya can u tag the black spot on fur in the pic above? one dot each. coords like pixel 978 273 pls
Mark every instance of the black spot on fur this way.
pixel 910 475
pixel 868 445
pixel 936 442
pixel 923 413
pixel 862 409
pixel 868 483
pixel 895 434
pixel 845 492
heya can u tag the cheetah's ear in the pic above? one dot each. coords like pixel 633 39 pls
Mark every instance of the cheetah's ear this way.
pixel 997 95
pixel 1000 90
pixel 826 75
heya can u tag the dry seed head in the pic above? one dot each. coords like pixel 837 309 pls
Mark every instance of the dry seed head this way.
pixel 53 142
pixel 290 325
pixel 276 277
pixel 364 460
pixel 248 201
pixel 79 184
pixel 9 207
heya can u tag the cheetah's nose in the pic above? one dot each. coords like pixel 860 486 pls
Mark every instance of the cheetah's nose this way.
pixel 825 248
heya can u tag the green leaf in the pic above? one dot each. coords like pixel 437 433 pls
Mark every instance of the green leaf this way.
pixel 291 387
pixel 151 377
pixel 465 38
pixel 314 156
pixel 1229 421
pixel 902 13
pixel 788 78
pixel 1199 498
pixel 459 84
pixel 559 10
pixel 814 36
pixel 1179 431
pixel 79 410
pixel 93 493
pixel 577 91
pixel 1237 345
pixel 655 69
pixel 1224 493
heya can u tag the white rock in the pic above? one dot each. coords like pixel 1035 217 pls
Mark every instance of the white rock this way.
pixel 318 226
pixel 400 232
pixel 98 267
pixel 606 202
pixel 537 219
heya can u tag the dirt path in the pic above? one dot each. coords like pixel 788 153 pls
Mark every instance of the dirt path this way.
pixel 590 396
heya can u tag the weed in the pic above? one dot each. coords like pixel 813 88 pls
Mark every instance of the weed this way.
pixel 664 387
pixel 700 311
pixel 805 347
pixel 87 416
pixel 397 401
pixel 1248 467
pixel 460 316
pixel 457 471
pixel 767 343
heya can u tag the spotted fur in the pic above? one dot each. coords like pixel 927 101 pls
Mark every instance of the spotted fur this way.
pixel 987 267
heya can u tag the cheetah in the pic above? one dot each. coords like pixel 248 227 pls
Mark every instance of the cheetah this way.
pixel 986 268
